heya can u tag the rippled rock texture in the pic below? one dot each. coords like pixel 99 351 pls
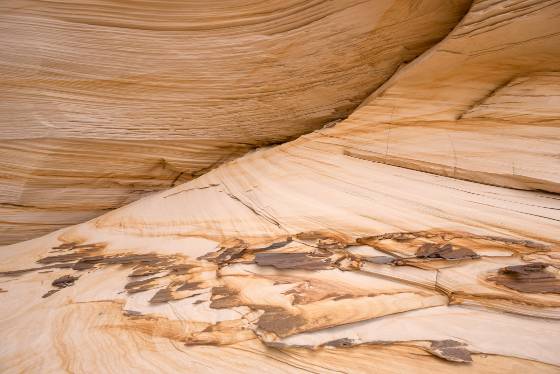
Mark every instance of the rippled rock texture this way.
pixel 106 101
pixel 419 235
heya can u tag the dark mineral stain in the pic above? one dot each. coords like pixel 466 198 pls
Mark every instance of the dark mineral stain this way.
pixel 223 298
pixel 147 264
pixel 340 343
pixel 266 307
pixel 446 251
pixel 305 261
pixel 281 323
pixel 277 245
pixel 162 296
pixel 281 345
pixel 226 253
pixel 131 313
pixel 225 302
pixel 64 281
pixel 337 297
pixel 190 286
pixel 87 262
pixel 397 236
pixel 530 278
pixel 313 235
pixel 383 260
pixel 144 271
pixel 134 259
pixel 87 256
pixel 76 252
pixel 50 293
pixel 323 240
pixel 69 257
pixel 64 246
pixel 181 269
pixel 90 246
pixel 60 266
pixel 521 242
pixel 441 238
pixel 451 350
pixel 142 285
pixel 74 245
pixel 330 244
pixel 15 273
pixel 221 291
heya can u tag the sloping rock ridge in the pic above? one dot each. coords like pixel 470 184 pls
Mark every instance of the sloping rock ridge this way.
pixel 104 102
pixel 418 235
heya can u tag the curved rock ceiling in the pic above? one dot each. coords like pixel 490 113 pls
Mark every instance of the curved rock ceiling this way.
pixel 106 101
pixel 418 235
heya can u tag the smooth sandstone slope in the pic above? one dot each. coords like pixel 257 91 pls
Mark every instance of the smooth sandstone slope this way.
pixel 104 102
pixel 318 255
pixel 483 105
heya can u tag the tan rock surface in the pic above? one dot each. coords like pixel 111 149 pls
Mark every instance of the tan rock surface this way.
pixel 482 105
pixel 320 255
pixel 106 101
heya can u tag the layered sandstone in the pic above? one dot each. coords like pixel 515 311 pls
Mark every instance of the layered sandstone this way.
pixel 106 101
pixel 418 235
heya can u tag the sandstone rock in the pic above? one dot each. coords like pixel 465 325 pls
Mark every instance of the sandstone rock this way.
pixel 349 249
pixel 106 101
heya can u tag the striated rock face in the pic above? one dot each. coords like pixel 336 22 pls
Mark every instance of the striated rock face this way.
pixel 418 235
pixel 105 101
pixel 482 105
